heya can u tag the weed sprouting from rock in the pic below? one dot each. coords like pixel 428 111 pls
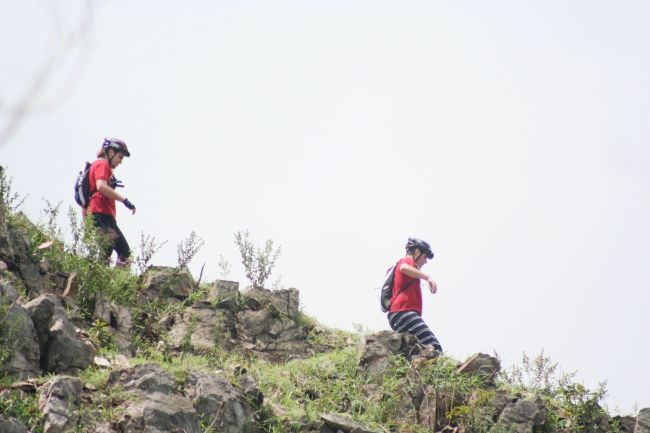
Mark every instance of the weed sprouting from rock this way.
pixel 188 248
pixel 258 262
pixel 148 248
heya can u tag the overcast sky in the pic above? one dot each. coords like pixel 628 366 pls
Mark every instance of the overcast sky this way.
pixel 512 135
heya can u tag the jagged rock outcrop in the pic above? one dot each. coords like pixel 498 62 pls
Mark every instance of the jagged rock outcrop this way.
pixel 17 248
pixel 522 416
pixel 24 358
pixel 156 404
pixel 120 322
pixel 61 349
pixel 201 329
pixel 10 425
pixel 643 421
pixel 480 364
pixel 222 405
pixel 377 347
pixel 261 321
pixel 160 404
pixel 225 294
pixel 166 282
pixel 59 402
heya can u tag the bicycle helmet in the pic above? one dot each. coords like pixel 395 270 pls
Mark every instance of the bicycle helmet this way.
pixel 423 246
pixel 117 145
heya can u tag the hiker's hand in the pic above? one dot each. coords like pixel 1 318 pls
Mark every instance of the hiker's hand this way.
pixel 115 183
pixel 433 287
pixel 129 205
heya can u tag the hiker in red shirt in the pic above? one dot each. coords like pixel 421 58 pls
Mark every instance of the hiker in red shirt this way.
pixel 405 314
pixel 103 198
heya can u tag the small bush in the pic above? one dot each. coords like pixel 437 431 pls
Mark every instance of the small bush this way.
pixel 188 248
pixel 148 248
pixel 538 374
pixel 10 201
pixel 258 262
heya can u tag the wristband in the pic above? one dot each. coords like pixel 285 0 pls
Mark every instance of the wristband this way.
pixel 128 204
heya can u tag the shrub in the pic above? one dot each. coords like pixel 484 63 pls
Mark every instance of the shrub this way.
pixel 258 262
pixel 9 200
pixel 188 248
pixel 538 374
pixel 148 248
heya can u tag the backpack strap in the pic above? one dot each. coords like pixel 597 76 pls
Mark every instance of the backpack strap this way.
pixel 402 289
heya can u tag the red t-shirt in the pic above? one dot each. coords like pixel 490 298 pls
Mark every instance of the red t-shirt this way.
pixel 99 203
pixel 407 295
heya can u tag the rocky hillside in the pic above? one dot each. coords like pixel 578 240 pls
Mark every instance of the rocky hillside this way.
pixel 87 348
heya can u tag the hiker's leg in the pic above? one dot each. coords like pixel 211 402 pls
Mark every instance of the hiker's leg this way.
pixel 121 246
pixel 411 322
pixel 105 234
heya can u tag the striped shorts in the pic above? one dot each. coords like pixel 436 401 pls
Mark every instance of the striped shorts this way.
pixel 411 322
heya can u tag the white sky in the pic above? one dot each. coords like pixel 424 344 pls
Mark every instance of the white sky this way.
pixel 512 135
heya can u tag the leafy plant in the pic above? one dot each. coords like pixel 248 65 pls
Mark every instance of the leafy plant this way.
pixel 22 406
pixel 188 248
pixel 583 412
pixel 51 213
pixel 538 374
pixel 258 262
pixel 10 201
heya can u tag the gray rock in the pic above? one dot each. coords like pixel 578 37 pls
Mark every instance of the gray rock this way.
pixel 643 421
pixel 11 425
pixel 147 378
pixel 58 402
pixel 482 365
pixel 280 302
pixel 103 428
pixel 220 404
pixel 168 282
pixel 159 413
pixel 8 292
pixel 67 353
pixel 43 311
pixel 523 416
pixel 251 324
pixel 24 361
pixel 62 350
pixel 626 423
pixel 29 271
pixel 203 328
pixel 225 294
pixel 344 422
pixel 266 332
pixel 377 347
pixel 120 321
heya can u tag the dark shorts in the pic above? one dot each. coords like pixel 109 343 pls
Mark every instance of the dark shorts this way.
pixel 116 240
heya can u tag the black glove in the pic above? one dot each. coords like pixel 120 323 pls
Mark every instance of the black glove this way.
pixel 128 204
pixel 114 183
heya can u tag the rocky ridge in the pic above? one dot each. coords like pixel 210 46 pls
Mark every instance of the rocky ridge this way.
pixel 50 351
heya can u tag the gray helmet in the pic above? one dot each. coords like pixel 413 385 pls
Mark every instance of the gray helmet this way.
pixel 423 246
pixel 117 145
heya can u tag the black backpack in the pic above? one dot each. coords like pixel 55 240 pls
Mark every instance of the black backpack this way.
pixel 82 187
pixel 386 293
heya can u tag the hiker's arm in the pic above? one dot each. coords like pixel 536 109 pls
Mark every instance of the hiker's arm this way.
pixel 107 191
pixel 412 272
